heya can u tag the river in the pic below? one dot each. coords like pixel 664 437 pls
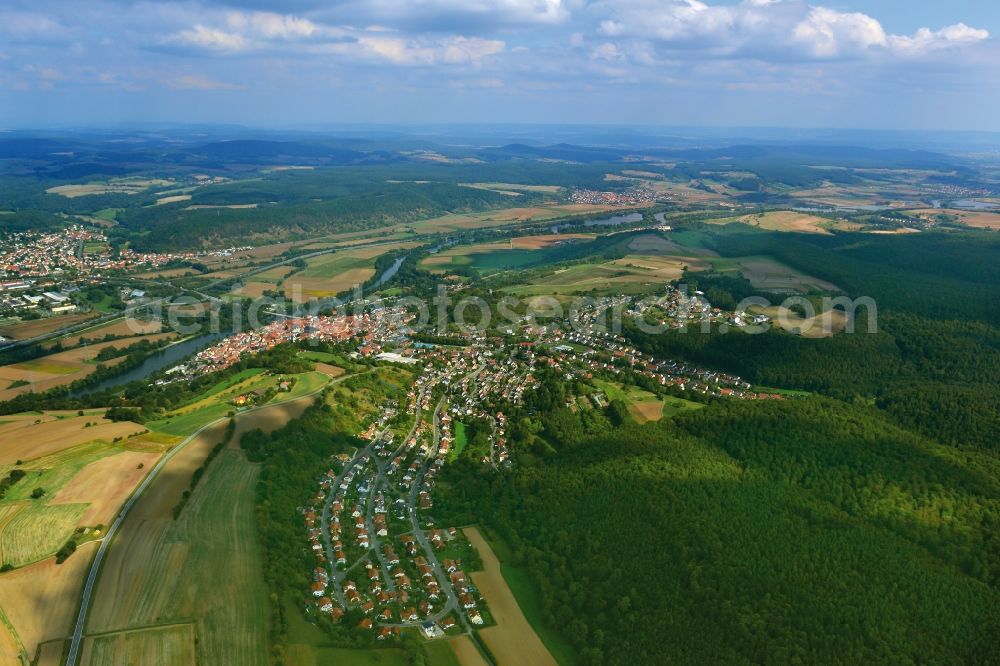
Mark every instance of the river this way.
pixel 158 361
pixel 180 350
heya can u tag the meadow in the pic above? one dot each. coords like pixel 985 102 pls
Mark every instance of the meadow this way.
pixel 643 405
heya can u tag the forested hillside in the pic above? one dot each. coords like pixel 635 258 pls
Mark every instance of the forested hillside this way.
pixel 807 531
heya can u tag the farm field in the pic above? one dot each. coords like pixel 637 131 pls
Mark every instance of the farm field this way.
pixel 254 289
pixel 465 651
pixel 169 646
pixel 512 640
pixel 821 325
pixel 504 216
pixel 979 219
pixel 632 275
pixel 787 220
pixel 112 186
pixel 514 188
pixel 769 274
pixel 23 439
pixel 511 253
pixel 119 327
pixel 105 484
pixel 63 368
pixel 37 531
pixel 35 327
pixel 330 274
pixel 168 273
pixel 158 570
pixel 45 595
pixel 216 402
pixel 643 405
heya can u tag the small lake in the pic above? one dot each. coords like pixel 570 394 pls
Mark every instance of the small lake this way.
pixel 968 204
pixel 628 218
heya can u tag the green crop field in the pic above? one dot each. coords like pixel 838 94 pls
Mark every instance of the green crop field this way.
pixel 204 568
pixel 166 646
pixel 37 531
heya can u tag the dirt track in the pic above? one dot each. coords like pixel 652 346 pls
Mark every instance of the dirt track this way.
pixel 512 641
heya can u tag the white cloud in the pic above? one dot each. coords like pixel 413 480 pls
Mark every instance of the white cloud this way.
pixel 500 11
pixel 606 51
pixel 198 82
pixel 768 30
pixel 827 33
pixel 211 39
pixel 407 51
pixel 925 40
pixel 269 25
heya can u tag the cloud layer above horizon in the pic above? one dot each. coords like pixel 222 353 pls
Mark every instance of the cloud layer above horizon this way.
pixel 777 62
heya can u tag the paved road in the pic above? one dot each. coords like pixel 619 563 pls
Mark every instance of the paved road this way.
pixel 95 567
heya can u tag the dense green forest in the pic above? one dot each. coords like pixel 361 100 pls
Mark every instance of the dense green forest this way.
pixel 933 362
pixel 805 531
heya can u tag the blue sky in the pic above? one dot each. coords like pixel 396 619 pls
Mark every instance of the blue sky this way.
pixel 921 64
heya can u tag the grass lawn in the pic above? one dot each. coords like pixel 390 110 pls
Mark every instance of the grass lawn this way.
pixel 109 214
pixel 305 383
pixel 675 406
pixel 185 424
pixel 439 653
pixel 308 646
pixel 781 391
pixel 461 439
pixel 214 405
pixel 643 405
pixel 322 357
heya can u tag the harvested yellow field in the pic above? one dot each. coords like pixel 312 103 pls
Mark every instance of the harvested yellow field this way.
pixel 822 325
pixel 45 596
pixel 105 485
pixel 114 186
pixel 83 353
pixel 466 651
pixel 515 187
pixel 301 289
pixel 30 329
pixel 120 327
pixel 172 645
pixel 10 650
pixel 512 640
pixel 23 439
pixel 787 220
pixel 979 219
pixel 177 198
pixel 42 375
pixel 643 411
pixel 254 289
pixel 272 274
pixel 329 370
